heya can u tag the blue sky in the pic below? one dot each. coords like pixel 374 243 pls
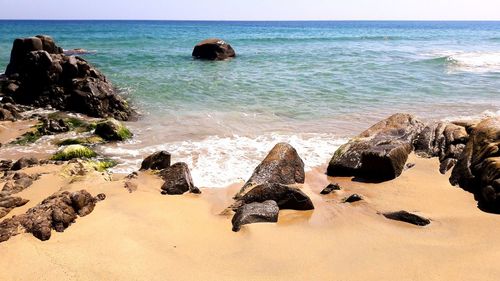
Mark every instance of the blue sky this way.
pixel 253 10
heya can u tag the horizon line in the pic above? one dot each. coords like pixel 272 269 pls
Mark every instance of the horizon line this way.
pixel 269 20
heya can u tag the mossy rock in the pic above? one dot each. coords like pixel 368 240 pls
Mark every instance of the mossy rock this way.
pixel 83 140
pixel 74 151
pixel 103 165
pixel 112 130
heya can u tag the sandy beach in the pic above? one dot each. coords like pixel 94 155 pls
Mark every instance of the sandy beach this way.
pixel 146 236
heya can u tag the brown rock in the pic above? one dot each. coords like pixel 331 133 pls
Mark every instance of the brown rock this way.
pixel 266 211
pixel 213 49
pixel 177 179
pixel 156 161
pixel 285 196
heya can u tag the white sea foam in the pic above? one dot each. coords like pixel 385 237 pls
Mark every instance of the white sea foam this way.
pixel 220 161
pixel 479 62
pixel 482 115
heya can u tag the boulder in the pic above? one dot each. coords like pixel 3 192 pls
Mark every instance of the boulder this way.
pixel 282 165
pixel 379 153
pixel 213 49
pixel 112 130
pixel 478 167
pixel 285 196
pixel 156 161
pixel 266 211
pixel 177 180
pixel 7 203
pixel 44 77
pixel 56 212
pixel 24 162
pixel 404 216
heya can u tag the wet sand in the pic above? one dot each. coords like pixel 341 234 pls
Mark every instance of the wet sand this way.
pixel 146 236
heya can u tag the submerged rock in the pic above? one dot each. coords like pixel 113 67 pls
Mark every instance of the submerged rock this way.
pixel 478 167
pixel 282 165
pixel 73 151
pixel 285 196
pixel 156 161
pixel 379 153
pixel 44 77
pixel 112 130
pixel 404 216
pixel 178 180
pixel 213 49
pixel 266 211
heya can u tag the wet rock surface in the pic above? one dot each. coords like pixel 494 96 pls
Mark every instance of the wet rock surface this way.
pixel 213 49
pixel 266 211
pixel 112 130
pixel 379 153
pixel 177 180
pixel 282 165
pixel 407 217
pixel 40 75
pixel 56 212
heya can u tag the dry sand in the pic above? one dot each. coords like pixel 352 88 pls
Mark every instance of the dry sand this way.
pixel 146 236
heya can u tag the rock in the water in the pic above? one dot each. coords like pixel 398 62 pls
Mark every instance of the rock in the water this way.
pixel 112 130
pixel 282 165
pixel 24 162
pixel 44 77
pixel 177 180
pixel 266 211
pixel 378 153
pixel 156 161
pixel 285 196
pixel 52 127
pixel 353 198
pixel 73 151
pixel 213 49
pixel 56 212
pixel 478 167
pixel 330 188
pixel 404 216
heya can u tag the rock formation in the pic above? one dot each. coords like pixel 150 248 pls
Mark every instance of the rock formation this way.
pixel 213 49
pixel 178 180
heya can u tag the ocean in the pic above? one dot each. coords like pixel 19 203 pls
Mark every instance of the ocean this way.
pixel 313 84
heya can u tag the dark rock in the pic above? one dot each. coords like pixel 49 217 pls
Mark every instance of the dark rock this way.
pixel 282 165
pixel 5 165
pixel 408 218
pixel 447 164
pixel 285 196
pixel 100 197
pixel 409 166
pixel 24 162
pixel 56 212
pixel 353 198
pixel 156 161
pixel 52 127
pixel 213 49
pixel 8 203
pixel 330 188
pixel 478 167
pixel 177 180
pixel 17 185
pixel 47 78
pixel 378 153
pixel 6 115
pixel 255 213
pixel 112 130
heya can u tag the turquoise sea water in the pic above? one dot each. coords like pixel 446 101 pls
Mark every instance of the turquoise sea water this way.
pixel 311 83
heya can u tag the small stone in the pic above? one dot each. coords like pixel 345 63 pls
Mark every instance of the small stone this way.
pixel 404 216
pixel 330 188
pixel 353 198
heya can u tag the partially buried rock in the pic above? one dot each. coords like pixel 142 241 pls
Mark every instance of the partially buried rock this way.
pixel 73 151
pixel 330 188
pixel 24 162
pixel 178 180
pixel 285 196
pixel 156 161
pixel 353 198
pixel 379 153
pixel 404 216
pixel 45 77
pixel 56 212
pixel 282 165
pixel 266 211
pixel 112 130
pixel 213 49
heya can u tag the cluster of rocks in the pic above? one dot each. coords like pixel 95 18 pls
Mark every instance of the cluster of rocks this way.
pixel 39 74
pixel 57 212
pixel 177 177
pixel 268 190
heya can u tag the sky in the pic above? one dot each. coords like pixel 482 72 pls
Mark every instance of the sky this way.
pixel 253 9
